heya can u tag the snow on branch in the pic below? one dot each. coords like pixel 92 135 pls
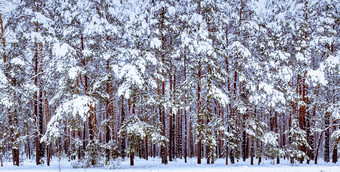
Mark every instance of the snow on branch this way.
pixel 79 107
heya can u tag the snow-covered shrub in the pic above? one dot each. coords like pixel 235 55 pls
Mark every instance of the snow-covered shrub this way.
pixel 93 153
pixel 271 145
pixel 232 143
pixel 298 141
pixel 136 130
pixel 112 147
pixel 113 163
pixel 92 158
pixel 212 133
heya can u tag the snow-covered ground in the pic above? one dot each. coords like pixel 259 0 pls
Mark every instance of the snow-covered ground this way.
pixel 153 165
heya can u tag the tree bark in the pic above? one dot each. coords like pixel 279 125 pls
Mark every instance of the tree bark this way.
pixel 327 138
pixel 109 110
pixel 199 121
pixel 171 134
pixel 132 155
pixel 4 61
pixel 164 147
pixel 277 131
pixel 3 42
pixel 335 149
pixel 185 117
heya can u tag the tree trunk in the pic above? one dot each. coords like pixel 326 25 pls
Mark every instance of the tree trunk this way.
pixel 36 112
pixel 132 155
pixel 146 150
pixel 171 139
pixel 199 144
pixel 309 137
pixel 47 119
pixel 3 40
pixel 276 128
pixel 244 140
pixel 123 144
pixel 1 153
pixel 226 155
pixel 4 60
pixel 185 114
pixel 41 124
pixel 109 110
pixel 164 147
pixel 13 121
pixel 335 149
pixel 327 138
pixel 252 151
pixel 191 138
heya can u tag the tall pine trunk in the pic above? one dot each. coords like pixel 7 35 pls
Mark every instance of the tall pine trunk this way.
pixel 123 144
pixel 185 115
pixel 171 130
pixel 327 138
pixel 3 43
pixel 199 121
pixel 164 146
pixel 109 110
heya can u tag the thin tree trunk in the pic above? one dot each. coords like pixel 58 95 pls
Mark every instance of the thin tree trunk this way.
pixel 3 39
pixel 185 135
pixel 327 138
pixel 199 144
pixel 132 155
pixel 185 116
pixel 276 128
pixel 4 60
pixel 123 144
pixel 15 150
pixel 146 150
pixel 47 119
pixel 335 149
pixel 164 147
pixel 244 140
pixel 171 139
pixel 36 113
pixel 1 153
pixel 252 154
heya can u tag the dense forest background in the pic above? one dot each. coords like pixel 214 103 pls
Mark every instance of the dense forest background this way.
pixel 99 80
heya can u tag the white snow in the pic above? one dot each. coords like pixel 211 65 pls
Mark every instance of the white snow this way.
pixel 155 43
pixel 3 79
pixel 300 57
pixel 220 96
pixel 61 50
pixel 36 36
pixel 73 72
pixel 7 6
pixel 172 11
pixel 154 165
pixel 237 48
pixel 317 76
pixel 17 61
pixel 333 61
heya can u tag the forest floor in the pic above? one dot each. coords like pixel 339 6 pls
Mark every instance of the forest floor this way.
pixel 154 165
